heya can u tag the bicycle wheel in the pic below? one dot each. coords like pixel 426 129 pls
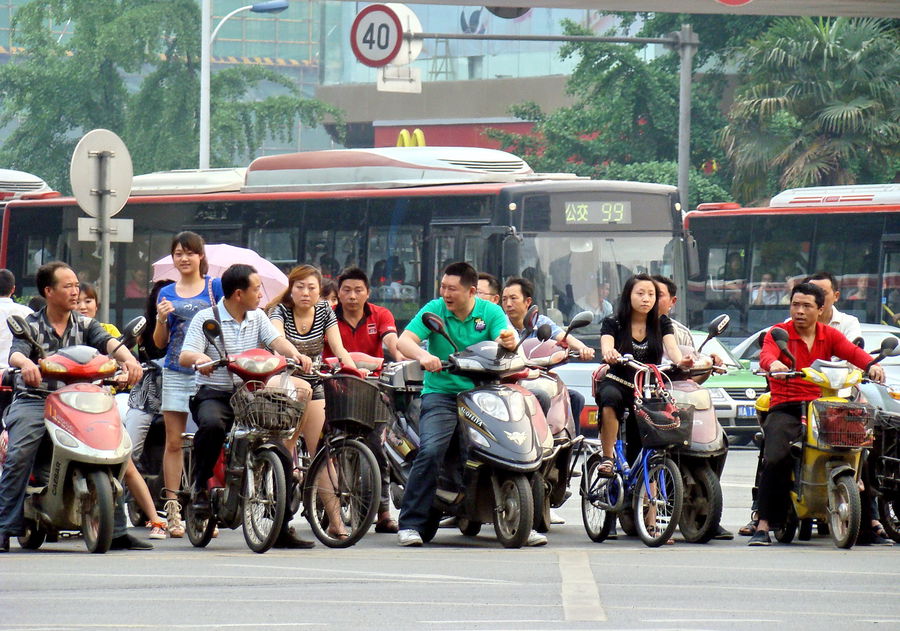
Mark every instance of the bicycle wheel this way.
pixel 265 500
pixel 658 501
pixel 341 492
pixel 595 501
pixel 889 509
pixel 199 528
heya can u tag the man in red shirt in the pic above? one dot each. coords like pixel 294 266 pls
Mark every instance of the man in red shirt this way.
pixel 367 328
pixel 809 340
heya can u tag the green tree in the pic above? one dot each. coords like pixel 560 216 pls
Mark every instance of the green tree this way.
pixel 625 112
pixel 820 106
pixel 132 66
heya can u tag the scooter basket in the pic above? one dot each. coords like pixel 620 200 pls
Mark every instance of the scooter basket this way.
pixel 843 424
pixel 353 405
pixel 260 407
pixel 886 451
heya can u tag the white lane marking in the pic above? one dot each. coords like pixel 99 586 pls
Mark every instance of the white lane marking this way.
pixel 728 620
pixel 580 596
pixel 755 588
pixel 819 613
pixel 124 596
pixel 94 625
pixel 388 575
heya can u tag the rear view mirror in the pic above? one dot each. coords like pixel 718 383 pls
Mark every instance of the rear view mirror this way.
pixel 212 331
pixel 544 332
pixel 715 328
pixel 860 342
pixel 781 337
pixel 435 324
pixel 531 318
pixel 580 321
pixel 889 347
pixel 21 330
pixel 131 332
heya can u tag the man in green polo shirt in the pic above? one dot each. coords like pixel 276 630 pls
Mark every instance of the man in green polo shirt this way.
pixel 468 320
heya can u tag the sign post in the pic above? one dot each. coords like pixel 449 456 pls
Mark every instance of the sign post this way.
pixel 383 37
pixel 101 174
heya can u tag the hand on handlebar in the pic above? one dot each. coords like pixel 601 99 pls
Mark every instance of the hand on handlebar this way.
pixel 612 356
pixel 876 373
pixel 205 365
pixel 31 375
pixel 778 367
pixel 431 363
pixel 585 352
pixel 305 362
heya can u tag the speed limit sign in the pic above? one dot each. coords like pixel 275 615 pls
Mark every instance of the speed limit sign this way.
pixel 376 35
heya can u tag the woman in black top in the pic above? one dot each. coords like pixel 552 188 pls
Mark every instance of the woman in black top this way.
pixel 635 329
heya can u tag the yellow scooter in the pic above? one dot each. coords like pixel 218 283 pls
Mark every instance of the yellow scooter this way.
pixel 825 480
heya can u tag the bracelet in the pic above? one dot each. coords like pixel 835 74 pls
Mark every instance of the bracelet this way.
pixel 162 321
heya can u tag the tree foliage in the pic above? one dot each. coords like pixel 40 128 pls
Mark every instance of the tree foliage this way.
pixel 820 106
pixel 132 66
pixel 625 112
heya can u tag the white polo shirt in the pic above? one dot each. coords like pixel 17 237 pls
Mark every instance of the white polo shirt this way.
pixel 846 324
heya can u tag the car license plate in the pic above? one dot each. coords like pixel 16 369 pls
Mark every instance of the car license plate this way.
pixel 746 410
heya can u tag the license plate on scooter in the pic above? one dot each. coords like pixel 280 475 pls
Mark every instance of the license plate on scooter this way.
pixel 746 411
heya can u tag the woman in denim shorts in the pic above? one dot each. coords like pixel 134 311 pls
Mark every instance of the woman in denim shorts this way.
pixel 176 306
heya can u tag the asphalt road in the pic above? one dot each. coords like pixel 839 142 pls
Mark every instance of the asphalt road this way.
pixel 460 583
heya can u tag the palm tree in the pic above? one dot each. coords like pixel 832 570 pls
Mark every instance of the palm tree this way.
pixel 820 106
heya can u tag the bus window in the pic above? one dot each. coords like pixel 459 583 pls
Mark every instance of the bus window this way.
pixel 396 255
pixel 278 245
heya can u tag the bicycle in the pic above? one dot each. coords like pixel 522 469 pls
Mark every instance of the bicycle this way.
pixel 652 483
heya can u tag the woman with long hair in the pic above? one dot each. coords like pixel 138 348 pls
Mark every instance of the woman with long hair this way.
pixel 176 306
pixel 636 328
pixel 307 322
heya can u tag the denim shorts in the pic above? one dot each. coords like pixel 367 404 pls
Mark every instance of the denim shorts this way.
pixel 177 389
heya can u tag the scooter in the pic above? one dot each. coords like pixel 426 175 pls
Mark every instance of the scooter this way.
pixel 497 445
pixel 78 472
pixel 555 430
pixel 825 480
pixel 701 463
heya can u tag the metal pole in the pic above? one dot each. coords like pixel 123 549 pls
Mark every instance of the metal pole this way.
pixel 670 41
pixel 687 44
pixel 103 192
pixel 205 15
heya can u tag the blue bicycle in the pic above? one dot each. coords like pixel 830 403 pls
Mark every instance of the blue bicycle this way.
pixel 651 487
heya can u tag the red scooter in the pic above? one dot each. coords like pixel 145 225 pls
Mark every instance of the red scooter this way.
pixel 556 429
pixel 78 472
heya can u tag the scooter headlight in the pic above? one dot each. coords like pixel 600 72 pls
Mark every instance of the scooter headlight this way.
pixel 491 404
pixel 258 366
pixel 65 438
pixel 476 437
pixel 517 407
pixel 51 367
pixel 90 402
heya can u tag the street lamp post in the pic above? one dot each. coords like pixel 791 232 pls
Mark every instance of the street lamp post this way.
pixel 206 42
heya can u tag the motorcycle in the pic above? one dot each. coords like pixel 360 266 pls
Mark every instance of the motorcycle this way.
pixel 701 463
pixel 248 487
pixel 79 468
pixel 497 447
pixel 555 430
pixel 828 458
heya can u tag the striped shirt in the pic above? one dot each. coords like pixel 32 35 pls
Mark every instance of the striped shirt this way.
pixel 312 342
pixel 254 332
pixel 682 334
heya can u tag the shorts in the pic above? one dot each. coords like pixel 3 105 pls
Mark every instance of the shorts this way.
pixel 318 391
pixel 177 389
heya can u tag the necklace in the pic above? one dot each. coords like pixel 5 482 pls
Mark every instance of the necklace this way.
pixel 304 323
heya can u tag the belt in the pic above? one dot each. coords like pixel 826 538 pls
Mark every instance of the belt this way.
pixel 624 382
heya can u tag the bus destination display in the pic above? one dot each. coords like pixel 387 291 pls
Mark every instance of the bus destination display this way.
pixel 597 213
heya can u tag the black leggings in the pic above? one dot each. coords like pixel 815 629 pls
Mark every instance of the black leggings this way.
pixel 612 394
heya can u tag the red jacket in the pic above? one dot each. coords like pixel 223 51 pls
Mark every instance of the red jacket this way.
pixel 829 342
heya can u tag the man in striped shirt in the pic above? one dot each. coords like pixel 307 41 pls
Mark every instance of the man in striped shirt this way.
pixel 244 326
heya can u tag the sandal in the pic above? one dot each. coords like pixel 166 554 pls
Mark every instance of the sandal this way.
pixel 605 470
pixel 387 526
pixel 653 531
pixel 341 536
pixel 750 529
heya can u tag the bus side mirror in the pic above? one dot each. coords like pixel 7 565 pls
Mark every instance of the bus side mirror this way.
pixel 691 256
pixel 510 255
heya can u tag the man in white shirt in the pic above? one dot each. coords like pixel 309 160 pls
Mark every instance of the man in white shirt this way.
pixel 843 322
pixel 8 307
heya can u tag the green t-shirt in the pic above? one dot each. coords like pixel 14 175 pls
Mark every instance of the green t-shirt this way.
pixel 485 322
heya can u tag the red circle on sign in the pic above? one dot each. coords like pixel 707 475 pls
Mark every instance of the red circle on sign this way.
pixel 376 63
pixel 734 3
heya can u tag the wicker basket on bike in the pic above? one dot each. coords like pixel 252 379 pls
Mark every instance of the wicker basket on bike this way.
pixel 661 422
pixel 267 409
pixel 352 404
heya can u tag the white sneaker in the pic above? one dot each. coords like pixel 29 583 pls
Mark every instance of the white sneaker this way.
pixel 556 518
pixel 536 539
pixel 409 538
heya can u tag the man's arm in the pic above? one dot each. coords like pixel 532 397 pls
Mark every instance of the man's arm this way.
pixel 408 344
pixel 845 349
pixel 390 341
pixel 584 351
pixel 193 351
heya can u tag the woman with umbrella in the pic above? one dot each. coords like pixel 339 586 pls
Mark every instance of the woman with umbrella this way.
pixel 175 308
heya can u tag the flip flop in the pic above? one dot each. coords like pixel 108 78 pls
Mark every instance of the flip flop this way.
pixel 605 471
pixel 386 526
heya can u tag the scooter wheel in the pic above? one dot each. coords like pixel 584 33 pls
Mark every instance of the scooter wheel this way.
pixel 34 536
pixel 265 500
pixel 514 512
pixel 889 509
pixel 468 527
pixel 97 513
pixel 845 508
pixel 702 509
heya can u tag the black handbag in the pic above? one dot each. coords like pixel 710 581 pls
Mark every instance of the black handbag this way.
pixel 661 422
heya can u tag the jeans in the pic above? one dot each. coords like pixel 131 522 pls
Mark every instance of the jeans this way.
pixel 375 441
pixel 25 424
pixel 437 427
pixel 782 428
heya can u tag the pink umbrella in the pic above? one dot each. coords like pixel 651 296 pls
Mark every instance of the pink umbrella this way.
pixel 220 257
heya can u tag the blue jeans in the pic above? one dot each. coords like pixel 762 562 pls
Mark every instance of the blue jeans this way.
pixel 25 424
pixel 437 427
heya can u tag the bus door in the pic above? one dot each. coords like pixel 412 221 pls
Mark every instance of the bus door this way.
pixel 456 242
pixel 890 279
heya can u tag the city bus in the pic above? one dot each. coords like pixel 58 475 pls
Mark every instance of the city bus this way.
pixel 749 258
pixel 401 214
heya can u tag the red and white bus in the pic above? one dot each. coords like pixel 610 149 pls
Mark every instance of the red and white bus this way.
pixel 750 257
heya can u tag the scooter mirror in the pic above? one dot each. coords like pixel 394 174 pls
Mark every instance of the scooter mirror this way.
pixel 435 324
pixel 531 318
pixel 580 320
pixel 21 330
pixel 131 332
pixel 544 332
pixel 860 342
pixel 718 325
pixel 889 347
pixel 780 336
pixel 212 331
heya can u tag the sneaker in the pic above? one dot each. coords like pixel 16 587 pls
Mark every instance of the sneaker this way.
pixel 174 525
pixel 536 539
pixel 157 529
pixel 127 542
pixel 723 535
pixel 409 538
pixel 556 518
pixel 760 538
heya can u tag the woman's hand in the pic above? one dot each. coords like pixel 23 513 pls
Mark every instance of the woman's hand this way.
pixel 305 362
pixel 586 352
pixel 612 356
pixel 163 309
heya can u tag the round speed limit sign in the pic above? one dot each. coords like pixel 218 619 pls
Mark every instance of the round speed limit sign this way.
pixel 376 35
